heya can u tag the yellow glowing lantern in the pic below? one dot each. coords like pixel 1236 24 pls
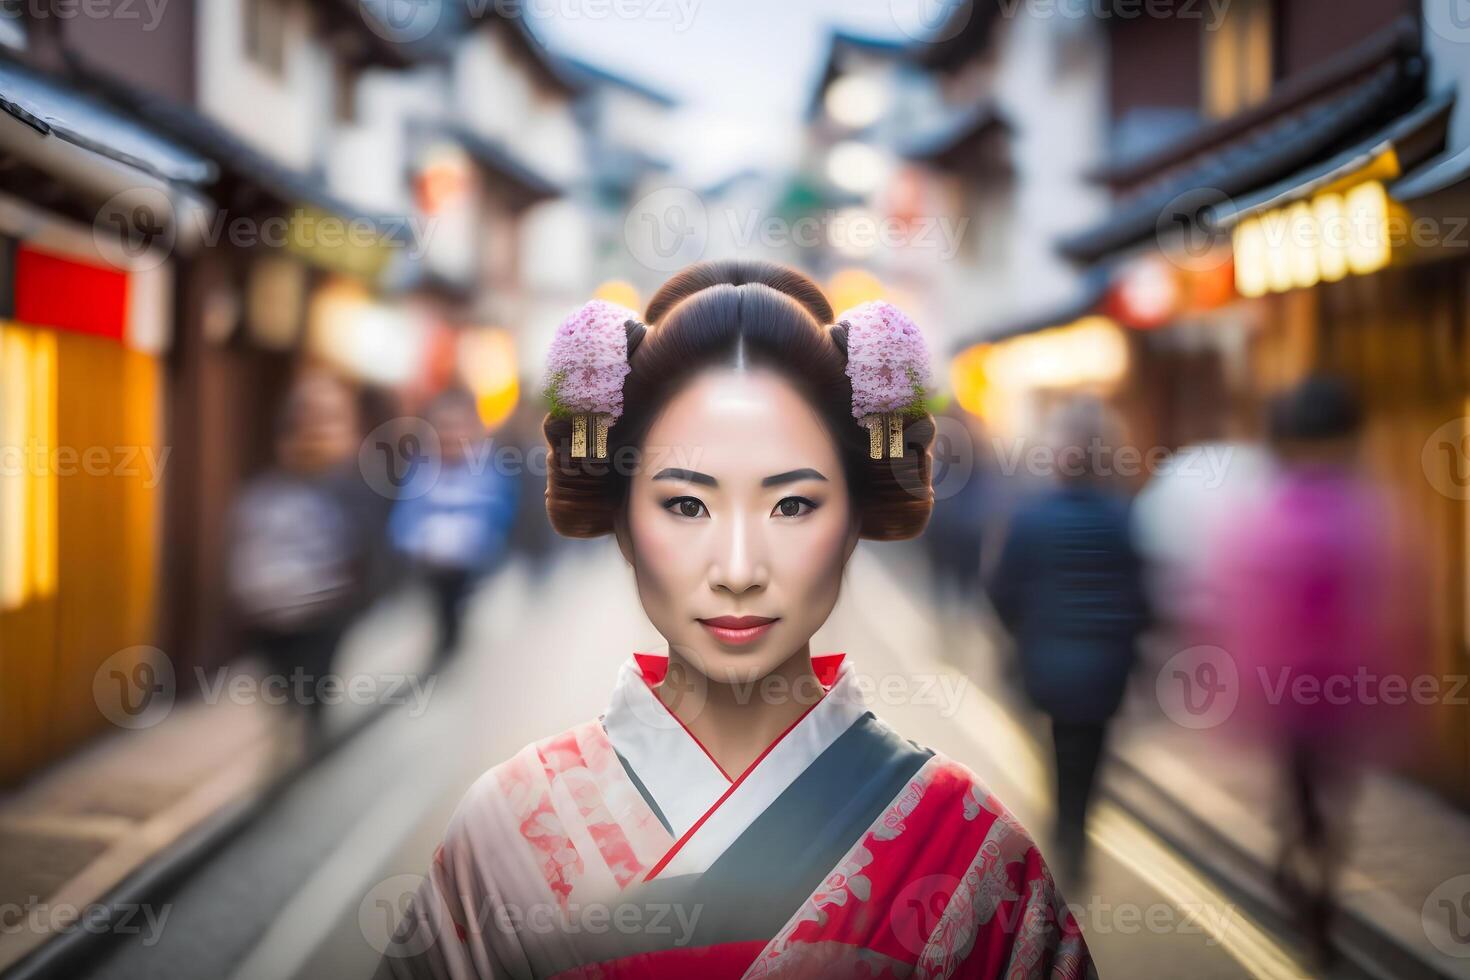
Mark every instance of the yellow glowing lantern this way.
pixel 1303 245
pixel 1250 259
pixel 1321 240
pixel 1278 252
pixel 852 287
pixel 368 340
pixel 1367 214
pixel 487 363
pixel 1329 211
pixel 967 378
pixel 991 381
pixel 621 292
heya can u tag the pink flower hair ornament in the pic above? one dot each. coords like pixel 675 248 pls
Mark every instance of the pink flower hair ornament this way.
pixel 585 368
pixel 888 364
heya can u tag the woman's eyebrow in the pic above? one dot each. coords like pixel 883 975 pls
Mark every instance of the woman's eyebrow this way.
pixel 691 476
pixel 791 476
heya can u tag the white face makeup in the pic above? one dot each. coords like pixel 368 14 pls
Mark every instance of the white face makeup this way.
pixel 739 523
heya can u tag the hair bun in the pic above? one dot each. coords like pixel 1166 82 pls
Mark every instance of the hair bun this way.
pixel 741 272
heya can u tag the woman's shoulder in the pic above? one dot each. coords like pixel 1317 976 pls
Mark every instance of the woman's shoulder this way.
pixel 998 892
pixel 970 797
pixel 521 786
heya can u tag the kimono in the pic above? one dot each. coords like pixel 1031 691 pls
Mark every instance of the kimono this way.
pixel 621 849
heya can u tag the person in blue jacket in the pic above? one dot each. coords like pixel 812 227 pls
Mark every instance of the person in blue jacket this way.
pixel 456 531
pixel 1070 589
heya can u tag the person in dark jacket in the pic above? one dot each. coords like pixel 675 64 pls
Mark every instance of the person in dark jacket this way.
pixel 1069 588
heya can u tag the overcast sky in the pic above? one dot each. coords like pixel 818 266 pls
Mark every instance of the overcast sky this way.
pixel 743 69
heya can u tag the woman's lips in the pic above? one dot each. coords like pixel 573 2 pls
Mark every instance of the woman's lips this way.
pixel 738 630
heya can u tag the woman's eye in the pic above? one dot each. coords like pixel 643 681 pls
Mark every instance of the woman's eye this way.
pixel 686 506
pixel 793 507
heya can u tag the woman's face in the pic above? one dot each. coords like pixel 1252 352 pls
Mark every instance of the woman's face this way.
pixel 738 524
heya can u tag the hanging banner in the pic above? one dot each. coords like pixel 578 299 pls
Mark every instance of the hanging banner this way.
pixel 64 294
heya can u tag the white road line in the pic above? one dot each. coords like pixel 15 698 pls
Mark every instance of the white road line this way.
pixel 301 925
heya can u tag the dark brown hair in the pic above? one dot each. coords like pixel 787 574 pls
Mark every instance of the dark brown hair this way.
pixel 718 313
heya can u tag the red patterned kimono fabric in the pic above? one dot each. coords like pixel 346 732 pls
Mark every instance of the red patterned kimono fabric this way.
pixel 620 849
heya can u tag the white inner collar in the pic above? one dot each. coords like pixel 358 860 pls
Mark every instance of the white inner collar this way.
pixel 681 777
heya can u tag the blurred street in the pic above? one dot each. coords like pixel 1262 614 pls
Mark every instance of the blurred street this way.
pixel 309 890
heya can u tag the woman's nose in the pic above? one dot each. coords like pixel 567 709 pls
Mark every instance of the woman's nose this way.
pixel 739 562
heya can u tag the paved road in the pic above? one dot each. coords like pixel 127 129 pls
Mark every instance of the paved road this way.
pixel 310 891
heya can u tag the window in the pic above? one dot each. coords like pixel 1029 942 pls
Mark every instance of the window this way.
pixel 265 34
pixel 1238 61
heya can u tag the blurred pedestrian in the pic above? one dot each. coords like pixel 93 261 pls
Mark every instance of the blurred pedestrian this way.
pixel 295 563
pixel 532 540
pixel 1313 592
pixel 953 537
pixel 1069 587
pixel 458 528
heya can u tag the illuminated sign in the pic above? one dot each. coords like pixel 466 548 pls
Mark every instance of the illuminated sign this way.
pixel 1322 240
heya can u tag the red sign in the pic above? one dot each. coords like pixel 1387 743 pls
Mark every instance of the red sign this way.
pixel 64 294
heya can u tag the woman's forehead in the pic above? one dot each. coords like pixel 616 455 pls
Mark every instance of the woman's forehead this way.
pixel 741 418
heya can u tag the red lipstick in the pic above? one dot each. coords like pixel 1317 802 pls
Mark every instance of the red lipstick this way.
pixel 737 630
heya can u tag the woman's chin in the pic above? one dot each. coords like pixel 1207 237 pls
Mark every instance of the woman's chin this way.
pixel 738 665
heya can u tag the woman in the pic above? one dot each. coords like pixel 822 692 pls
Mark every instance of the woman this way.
pixel 736 811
